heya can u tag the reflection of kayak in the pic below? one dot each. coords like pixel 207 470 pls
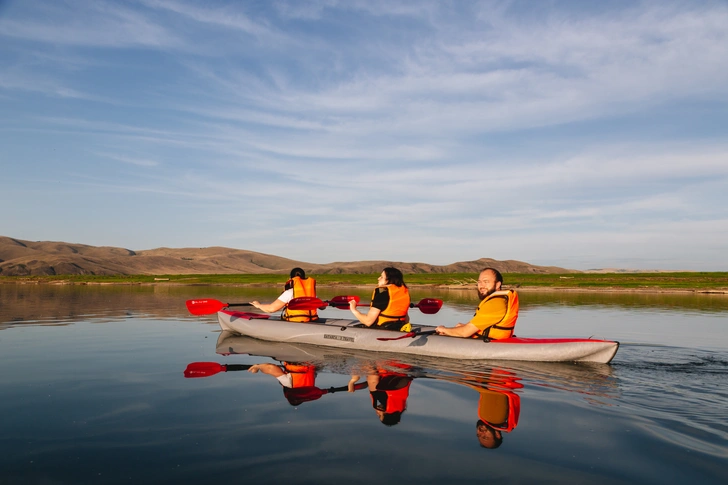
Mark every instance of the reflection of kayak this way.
pixel 591 379
pixel 350 334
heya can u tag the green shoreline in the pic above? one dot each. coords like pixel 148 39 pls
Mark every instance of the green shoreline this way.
pixel 703 282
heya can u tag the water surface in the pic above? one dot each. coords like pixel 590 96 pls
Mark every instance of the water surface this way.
pixel 94 392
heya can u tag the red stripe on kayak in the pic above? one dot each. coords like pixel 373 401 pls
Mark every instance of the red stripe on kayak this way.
pixel 518 340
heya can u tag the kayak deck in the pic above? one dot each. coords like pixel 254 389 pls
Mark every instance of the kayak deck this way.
pixel 342 333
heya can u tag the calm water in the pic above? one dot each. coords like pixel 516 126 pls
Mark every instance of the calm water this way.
pixel 94 391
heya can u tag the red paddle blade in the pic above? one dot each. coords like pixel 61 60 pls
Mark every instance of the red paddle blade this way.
pixel 306 303
pixel 205 307
pixel 342 301
pixel 428 306
pixel 203 369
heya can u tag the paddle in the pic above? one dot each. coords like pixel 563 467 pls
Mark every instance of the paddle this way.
pixel 206 369
pixel 313 303
pixel 407 335
pixel 427 306
pixel 311 393
pixel 209 306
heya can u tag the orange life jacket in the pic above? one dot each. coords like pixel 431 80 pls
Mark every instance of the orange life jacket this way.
pixel 399 303
pixel 301 288
pixel 301 375
pixel 504 328
pixel 395 400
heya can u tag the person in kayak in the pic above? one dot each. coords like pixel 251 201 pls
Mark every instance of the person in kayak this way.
pixel 390 303
pixel 496 314
pixel 297 286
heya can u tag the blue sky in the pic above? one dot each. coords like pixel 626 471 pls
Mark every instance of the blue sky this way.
pixel 578 134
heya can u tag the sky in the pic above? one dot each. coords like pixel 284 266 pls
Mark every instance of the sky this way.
pixel 577 134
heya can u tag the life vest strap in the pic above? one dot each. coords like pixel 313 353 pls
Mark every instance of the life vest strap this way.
pixel 398 318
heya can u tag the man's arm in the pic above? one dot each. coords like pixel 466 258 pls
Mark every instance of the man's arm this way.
pixel 488 315
pixel 460 330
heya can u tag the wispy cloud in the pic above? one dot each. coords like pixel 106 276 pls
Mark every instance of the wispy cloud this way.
pixel 229 16
pixel 503 129
pixel 98 24
pixel 140 162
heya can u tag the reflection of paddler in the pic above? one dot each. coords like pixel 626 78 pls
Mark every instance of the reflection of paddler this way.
pixel 298 381
pixel 291 376
pixel 498 408
pixel 389 392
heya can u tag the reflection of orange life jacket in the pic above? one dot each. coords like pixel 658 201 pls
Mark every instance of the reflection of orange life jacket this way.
pixel 392 400
pixel 399 302
pixel 301 375
pixel 504 328
pixel 499 406
pixel 301 288
pixel 490 406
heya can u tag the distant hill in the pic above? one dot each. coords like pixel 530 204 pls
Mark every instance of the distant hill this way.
pixel 27 258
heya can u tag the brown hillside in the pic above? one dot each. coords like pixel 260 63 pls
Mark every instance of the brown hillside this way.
pixel 27 258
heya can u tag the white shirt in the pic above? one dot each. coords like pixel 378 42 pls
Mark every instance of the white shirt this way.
pixel 286 296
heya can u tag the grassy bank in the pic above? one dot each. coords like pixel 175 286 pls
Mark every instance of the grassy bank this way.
pixel 658 281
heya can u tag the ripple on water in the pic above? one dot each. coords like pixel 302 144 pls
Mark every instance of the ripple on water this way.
pixel 682 393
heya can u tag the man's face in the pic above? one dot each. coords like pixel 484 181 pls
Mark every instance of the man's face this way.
pixel 487 284
pixel 488 438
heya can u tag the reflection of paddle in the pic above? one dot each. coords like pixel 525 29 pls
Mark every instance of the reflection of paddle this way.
pixel 209 306
pixel 311 393
pixel 206 369
pixel 427 306
pixel 407 335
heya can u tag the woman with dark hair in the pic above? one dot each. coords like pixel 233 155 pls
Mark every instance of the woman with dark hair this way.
pixel 390 303
pixel 297 286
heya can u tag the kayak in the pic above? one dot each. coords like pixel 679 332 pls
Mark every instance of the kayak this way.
pixel 334 360
pixel 421 341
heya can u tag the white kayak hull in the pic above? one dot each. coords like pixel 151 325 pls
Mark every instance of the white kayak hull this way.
pixel 350 334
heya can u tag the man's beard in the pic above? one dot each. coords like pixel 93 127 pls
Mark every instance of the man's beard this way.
pixel 483 296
